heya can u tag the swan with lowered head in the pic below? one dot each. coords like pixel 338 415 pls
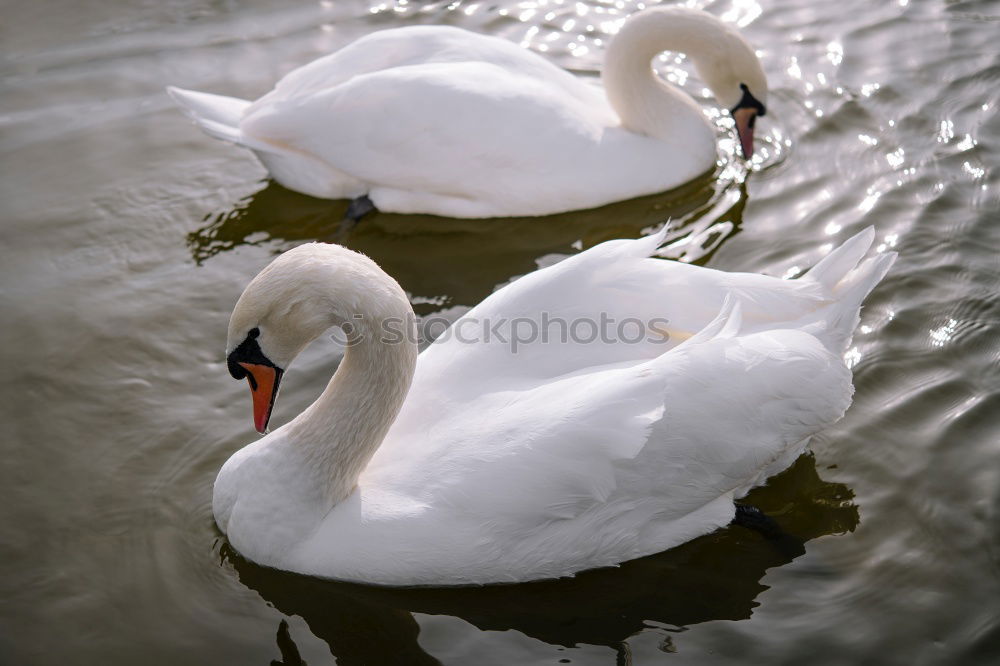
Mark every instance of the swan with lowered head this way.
pixel 436 119
pixel 477 463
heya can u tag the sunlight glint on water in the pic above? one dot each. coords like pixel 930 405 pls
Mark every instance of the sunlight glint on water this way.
pixel 128 235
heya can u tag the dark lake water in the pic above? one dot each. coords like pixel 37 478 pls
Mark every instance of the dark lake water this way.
pixel 127 236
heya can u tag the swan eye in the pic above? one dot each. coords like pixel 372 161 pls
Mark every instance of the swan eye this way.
pixel 248 351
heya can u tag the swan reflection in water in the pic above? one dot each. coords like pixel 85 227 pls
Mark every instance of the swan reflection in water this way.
pixel 714 577
pixel 466 259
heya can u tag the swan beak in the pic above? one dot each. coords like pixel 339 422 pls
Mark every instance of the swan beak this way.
pixel 263 380
pixel 745 118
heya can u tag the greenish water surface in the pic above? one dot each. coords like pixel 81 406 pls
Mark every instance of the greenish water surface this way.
pixel 127 236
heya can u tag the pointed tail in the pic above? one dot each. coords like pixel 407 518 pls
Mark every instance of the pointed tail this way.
pixel 849 280
pixel 217 115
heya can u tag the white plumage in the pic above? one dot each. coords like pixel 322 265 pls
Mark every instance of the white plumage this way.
pixel 498 466
pixel 436 119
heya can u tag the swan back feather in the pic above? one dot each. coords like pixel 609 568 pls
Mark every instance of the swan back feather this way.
pixel 505 466
pixel 403 114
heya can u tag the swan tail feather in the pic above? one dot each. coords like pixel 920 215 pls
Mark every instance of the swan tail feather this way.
pixel 834 267
pixel 834 324
pixel 851 292
pixel 217 115
pixel 847 278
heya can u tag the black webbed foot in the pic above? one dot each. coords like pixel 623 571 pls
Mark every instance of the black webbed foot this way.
pixel 356 210
pixel 752 518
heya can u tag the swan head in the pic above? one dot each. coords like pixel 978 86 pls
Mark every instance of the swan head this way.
pixel 724 60
pixel 295 299
pixel 730 68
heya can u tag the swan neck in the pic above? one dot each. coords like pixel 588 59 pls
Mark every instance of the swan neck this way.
pixel 645 103
pixel 340 432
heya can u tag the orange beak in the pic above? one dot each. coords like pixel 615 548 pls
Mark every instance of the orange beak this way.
pixel 263 380
pixel 745 118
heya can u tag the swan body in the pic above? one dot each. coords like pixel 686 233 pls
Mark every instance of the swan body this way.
pixel 440 120
pixel 477 462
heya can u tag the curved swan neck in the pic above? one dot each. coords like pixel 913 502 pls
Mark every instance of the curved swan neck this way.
pixel 340 432
pixel 644 102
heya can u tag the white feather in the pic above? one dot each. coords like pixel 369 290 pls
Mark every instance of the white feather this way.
pixel 435 119
pixel 562 457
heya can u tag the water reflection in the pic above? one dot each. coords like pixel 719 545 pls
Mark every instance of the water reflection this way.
pixel 715 577
pixel 470 257
pixel 289 650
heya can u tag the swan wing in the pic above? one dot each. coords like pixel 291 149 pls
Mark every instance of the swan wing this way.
pixel 513 466
pixel 475 133
pixel 610 304
pixel 735 343
pixel 614 303
pixel 615 462
pixel 447 121
pixel 415 45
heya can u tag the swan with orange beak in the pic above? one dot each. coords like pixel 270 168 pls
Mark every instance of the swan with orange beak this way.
pixel 247 361
pixel 745 114
pixel 524 138
pixel 260 346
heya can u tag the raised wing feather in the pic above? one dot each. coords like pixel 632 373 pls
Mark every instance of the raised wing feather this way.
pixel 645 306
pixel 604 452
pixel 595 401
pixel 625 455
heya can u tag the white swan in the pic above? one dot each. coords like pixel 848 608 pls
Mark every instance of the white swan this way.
pixel 435 119
pixel 475 464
